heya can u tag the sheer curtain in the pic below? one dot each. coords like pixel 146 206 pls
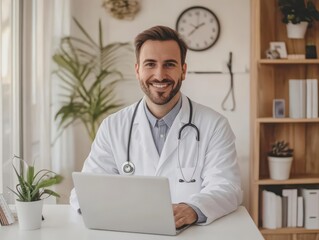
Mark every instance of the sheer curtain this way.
pixel 10 90
pixel 45 22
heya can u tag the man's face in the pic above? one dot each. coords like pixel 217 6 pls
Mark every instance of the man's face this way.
pixel 160 71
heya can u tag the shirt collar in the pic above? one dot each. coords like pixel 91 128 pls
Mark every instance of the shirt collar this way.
pixel 168 118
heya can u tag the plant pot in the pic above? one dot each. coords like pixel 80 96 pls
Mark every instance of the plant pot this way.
pixel 279 167
pixel 29 214
pixel 297 31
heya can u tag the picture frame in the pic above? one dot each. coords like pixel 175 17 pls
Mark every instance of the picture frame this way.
pixel 278 108
pixel 280 47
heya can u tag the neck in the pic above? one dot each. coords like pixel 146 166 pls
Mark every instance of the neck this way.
pixel 159 111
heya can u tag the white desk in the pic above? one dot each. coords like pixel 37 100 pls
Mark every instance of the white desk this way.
pixel 62 222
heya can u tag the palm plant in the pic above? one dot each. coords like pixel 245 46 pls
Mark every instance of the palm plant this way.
pixel 90 72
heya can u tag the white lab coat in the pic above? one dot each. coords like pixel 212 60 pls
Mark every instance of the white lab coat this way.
pixel 217 190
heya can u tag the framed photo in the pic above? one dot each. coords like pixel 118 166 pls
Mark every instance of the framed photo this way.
pixel 278 110
pixel 280 47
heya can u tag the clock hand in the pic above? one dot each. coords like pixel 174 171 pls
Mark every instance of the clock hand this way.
pixel 196 27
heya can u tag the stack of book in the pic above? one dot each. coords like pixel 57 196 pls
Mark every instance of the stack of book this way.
pixel 303 98
pixel 6 216
pixel 293 208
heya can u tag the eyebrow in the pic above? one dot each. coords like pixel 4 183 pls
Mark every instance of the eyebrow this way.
pixel 166 61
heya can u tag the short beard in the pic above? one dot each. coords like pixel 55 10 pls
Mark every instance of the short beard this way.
pixel 160 99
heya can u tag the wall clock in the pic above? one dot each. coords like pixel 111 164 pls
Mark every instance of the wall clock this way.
pixel 199 27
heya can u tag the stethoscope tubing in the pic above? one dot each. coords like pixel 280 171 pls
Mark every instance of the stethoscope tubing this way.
pixel 128 166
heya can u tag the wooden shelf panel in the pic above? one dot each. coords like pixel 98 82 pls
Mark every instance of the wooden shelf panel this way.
pixel 288 231
pixel 287 120
pixel 313 179
pixel 288 61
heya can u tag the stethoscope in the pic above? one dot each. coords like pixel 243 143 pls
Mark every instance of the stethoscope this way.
pixel 128 167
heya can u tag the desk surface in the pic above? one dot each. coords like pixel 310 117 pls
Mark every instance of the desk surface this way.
pixel 62 222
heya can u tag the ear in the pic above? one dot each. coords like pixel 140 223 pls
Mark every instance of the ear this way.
pixel 184 70
pixel 137 70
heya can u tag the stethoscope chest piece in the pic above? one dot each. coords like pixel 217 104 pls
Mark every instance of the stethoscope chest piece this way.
pixel 128 168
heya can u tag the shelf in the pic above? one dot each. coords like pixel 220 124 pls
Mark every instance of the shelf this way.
pixel 288 61
pixel 294 180
pixel 288 231
pixel 287 120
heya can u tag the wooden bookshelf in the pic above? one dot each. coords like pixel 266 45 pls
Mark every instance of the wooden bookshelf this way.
pixel 269 81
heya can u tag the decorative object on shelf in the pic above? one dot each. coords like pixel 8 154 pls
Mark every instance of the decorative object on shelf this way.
pixel 296 56
pixel 31 189
pixel 298 14
pixel 122 9
pixel 311 51
pixel 280 47
pixel 90 72
pixel 279 160
pixel 199 27
pixel 278 108
pixel 272 54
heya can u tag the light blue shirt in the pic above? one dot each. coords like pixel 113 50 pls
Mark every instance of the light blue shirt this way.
pixel 160 129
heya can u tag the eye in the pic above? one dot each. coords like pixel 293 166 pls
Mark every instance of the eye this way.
pixel 170 64
pixel 149 64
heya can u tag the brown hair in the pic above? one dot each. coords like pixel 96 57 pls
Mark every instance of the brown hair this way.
pixel 160 33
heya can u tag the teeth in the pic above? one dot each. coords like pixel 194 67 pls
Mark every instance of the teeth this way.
pixel 158 85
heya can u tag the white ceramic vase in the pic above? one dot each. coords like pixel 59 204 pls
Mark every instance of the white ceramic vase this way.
pixel 297 31
pixel 29 214
pixel 279 167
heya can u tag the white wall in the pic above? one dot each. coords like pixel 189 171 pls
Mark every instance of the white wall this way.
pixel 208 89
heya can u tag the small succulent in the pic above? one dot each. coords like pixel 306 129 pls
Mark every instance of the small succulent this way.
pixel 280 149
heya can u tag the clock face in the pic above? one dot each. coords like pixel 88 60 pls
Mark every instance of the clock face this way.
pixel 199 27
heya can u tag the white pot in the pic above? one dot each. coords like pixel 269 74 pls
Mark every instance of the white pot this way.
pixel 279 167
pixel 297 31
pixel 29 214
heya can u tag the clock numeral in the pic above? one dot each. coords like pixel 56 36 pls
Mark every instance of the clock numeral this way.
pixel 212 38
pixel 197 13
pixel 197 44
pixel 183 21
pixel 181 29
pixel 211 20
pixel 206 43
pixel 213 30
pixel 190 14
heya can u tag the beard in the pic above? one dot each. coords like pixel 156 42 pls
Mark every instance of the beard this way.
pixel 159 97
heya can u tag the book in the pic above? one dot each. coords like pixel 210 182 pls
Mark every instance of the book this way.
pixel 297 98
pixel 284 211
pixel 6 216
pixel 269 219
pixel 311 206
pixel 309 98
pixel 315 98
pixel 300 212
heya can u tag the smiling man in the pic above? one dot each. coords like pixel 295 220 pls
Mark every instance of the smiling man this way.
pixel 169 135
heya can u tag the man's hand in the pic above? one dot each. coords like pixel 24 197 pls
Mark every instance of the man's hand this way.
pixel 183 214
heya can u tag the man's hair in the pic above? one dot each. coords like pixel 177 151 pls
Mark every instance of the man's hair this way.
pixel 160 33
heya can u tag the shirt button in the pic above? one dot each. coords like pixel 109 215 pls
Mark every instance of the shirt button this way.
pixel 161 135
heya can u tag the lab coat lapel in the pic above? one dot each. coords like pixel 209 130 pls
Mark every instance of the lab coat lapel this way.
pixel 171 142
pixel 145 140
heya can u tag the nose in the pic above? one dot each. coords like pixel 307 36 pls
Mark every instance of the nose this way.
pixel 159 73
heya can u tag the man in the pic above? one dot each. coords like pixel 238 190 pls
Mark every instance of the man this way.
pixel 201 167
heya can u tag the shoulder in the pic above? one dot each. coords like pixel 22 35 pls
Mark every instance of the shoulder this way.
pixel 121 118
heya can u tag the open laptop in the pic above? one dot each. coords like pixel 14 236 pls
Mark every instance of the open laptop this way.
pixel 125 203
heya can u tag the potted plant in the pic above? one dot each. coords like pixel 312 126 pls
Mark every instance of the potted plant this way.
pixel 279 160
pixel 30 191
pixel 90 72
pixel 298 15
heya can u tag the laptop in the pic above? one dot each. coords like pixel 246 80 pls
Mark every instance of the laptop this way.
pixel 139 204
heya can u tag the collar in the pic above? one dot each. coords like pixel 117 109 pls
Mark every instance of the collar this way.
pixel 168 118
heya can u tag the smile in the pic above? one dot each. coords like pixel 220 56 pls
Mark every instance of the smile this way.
pixel 160 85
